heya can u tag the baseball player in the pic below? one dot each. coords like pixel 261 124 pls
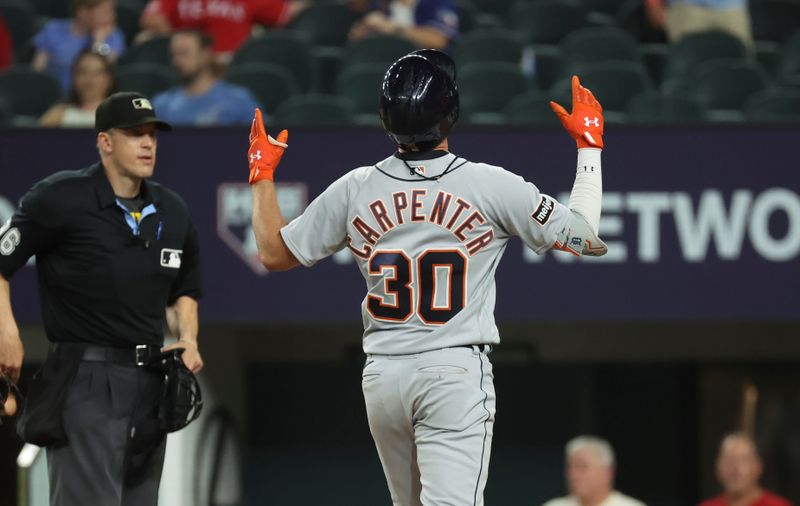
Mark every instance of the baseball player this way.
pixel 427 229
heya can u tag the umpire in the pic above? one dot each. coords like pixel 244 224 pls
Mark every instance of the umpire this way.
pixel 116 256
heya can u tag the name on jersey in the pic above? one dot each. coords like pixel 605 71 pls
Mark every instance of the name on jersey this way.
pixel 409 207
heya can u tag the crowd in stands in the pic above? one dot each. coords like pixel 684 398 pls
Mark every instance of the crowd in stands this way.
pixel 591 467
pixel 319 62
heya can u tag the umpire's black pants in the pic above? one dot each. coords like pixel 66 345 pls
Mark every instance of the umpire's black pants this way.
pixel 92 468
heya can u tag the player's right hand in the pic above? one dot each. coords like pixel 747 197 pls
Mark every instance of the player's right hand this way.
pixel 11 351
pixel 585 123
pixel 265 152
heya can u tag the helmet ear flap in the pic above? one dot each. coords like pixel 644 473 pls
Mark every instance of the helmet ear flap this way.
pixel 419 103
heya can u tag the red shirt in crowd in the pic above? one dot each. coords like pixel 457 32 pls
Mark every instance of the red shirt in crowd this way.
pixel 765 499
pixel 6 52
pixel 228 21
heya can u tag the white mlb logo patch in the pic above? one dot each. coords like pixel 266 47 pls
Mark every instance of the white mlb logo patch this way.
pixel 171 258
pixel 142 103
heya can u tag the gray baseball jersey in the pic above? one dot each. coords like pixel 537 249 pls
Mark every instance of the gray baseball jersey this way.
pixel 428 249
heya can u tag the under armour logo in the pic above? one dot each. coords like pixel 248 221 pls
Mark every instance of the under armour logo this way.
pixel 589 122
pixel 255 156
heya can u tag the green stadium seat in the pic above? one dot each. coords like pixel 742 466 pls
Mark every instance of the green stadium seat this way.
pixel 377 49
pixel 53 8
pixel 271 84
pixel 498 8
pixel 283 48
pixel 652 107
pixel 361 85
pixel 325 24
pixel 488 46
pixel 546 21
pixel 774 20
pixel 487 88
pixel 610 7
pixel 531 109
pixel 19 20
pixel 27 92
pixel 699 48
pixel 788 66
pixel 726 84
pixel 155 50
pixel 6 114
pixel 128 14
pixel 313 110
pixel 327 63
pixel 589 46
pixel 612 83
pixel 145 78
pixel 775 106
pixel 467 15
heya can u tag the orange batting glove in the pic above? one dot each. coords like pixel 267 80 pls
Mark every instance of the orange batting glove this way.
pixel 585 124
pixel 265 152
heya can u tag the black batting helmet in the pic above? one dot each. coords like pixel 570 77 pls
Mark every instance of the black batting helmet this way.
pixel 419 103
pixel 441 60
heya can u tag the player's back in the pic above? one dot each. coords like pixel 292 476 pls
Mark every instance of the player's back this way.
pixel 427 235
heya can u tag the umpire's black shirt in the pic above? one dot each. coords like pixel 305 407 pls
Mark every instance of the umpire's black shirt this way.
pixel 102 278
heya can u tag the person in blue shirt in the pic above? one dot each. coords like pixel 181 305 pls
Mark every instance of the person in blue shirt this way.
pixel 202 99
pixel 60 41
pixel 427 23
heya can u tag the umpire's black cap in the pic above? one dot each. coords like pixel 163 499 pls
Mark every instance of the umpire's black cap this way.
pixel 126 109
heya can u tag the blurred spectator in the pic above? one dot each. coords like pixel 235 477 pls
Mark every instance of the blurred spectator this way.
pixel 739 470
pixel 92 26
pixel 228 22
pixel 590 475
pixel 6 48
pixel 202 99
pixel 92 81
pixel 684 17
pixel 427 23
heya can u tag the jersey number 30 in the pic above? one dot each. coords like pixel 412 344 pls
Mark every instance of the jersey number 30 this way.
pixel 438 300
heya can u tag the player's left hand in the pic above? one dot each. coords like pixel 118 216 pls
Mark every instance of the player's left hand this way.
pixel 191 355
pixel 265 152
pixel 585 123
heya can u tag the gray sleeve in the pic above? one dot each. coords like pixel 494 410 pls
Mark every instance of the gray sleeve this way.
pixel 520 209
pixel 322 228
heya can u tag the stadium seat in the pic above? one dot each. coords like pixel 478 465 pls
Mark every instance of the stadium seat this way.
pixel 314 110
pixel 361 85
pixel 5 113
pixel 498 8
pixel 467 15
pixel 377 49
pixel 145 78
pixel 546 21
pixel 487 88
pixel 531 109
pixel 327 63
pixel 155 51
pixel 610 7
pixel 271 84
pixel 19 20
pixel 325 23
pixel 788 66
pixel 128 14
pixel 774 106
pixel 488 46
pixel 774 20
pixel 53 8
pixel 283 48
pixel 613 83
pixel 589 46
pixel 700 48
pixel 27 92
pixel 652 107
pixel 726 84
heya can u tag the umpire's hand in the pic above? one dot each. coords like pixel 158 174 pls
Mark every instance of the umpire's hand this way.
pixel 11 350
pixel 191 355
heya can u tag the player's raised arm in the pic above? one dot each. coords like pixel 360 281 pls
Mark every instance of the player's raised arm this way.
pixel 585 125
pixel 263 157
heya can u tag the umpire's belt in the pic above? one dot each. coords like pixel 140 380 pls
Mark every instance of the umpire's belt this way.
pixel 140 356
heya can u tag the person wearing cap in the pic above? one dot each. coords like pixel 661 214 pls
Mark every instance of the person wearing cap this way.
pixel 117 257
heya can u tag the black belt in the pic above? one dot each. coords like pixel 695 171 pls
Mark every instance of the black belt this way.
pixel 481 347
pixel 140 356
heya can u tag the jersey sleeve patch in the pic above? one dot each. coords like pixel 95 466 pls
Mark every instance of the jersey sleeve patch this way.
pixel 544 210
